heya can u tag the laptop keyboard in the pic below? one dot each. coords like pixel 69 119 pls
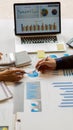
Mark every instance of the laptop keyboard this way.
pixel 47 44
pixel 47 39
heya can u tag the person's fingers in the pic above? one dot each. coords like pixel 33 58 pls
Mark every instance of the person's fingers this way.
pixel 15 78
pixel 1 55
pixel 19 71
pixel 43 69
pixel 38 63
pixel 19 77
pixel 12 73
pixel 43 63
pixel 15 70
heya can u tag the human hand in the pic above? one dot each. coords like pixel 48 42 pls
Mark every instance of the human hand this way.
pixel 1 55
pixel 46 64
pixel 11 75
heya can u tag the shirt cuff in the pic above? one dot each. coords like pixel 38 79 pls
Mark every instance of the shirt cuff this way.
pixel 59 63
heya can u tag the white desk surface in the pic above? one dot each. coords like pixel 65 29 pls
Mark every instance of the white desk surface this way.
pixel 52 117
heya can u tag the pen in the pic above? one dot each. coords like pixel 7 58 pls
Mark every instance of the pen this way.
pixel 22 72
pixel 25 72
pixel 46 58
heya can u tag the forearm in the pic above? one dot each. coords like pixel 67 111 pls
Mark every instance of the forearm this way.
pixel 64 62
pixel 1 77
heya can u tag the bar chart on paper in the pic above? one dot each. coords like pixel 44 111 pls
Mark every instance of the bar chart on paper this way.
pixel 66 93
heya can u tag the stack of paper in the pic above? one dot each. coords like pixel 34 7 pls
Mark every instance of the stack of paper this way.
pixel 17 59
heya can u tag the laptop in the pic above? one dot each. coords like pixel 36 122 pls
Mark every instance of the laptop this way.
pixel 38 27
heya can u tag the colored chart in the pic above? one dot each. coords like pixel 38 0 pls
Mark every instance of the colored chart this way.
pixel 53 56
pixel 33 74
pixel 34 96
pixel 68 72
pixel 39 27
pixel 66 93
pixel 44 12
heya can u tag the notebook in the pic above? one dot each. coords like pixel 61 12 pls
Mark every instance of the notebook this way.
pixel 38 27
pixel 18 59
pixel 5 93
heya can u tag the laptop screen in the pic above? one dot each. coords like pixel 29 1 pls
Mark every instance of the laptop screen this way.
pixel 37 18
